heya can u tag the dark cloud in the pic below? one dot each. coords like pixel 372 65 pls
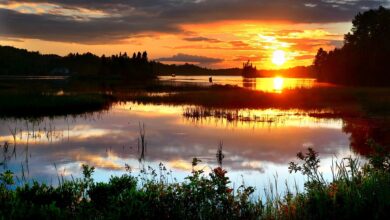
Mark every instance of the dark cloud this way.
pixel 180 57
pixel 122 19
pixel 304 57
pixel 203 39
pixel 240 45
pixel 251 58
pixel 62 28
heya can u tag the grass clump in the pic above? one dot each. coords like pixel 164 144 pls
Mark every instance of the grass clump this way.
pixel 356 192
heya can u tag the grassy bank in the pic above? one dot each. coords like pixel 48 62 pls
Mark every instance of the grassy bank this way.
pixel 356 192
pixel 38 104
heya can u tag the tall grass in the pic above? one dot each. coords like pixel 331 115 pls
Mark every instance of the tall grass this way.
pixel 357 191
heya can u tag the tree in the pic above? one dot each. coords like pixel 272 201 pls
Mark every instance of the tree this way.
pixel 319 61
pixel 248 70
pixel 370 29
pixel 364 57
pixel 145 56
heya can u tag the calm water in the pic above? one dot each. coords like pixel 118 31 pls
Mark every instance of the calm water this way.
pixel 257 143
pixel 13 77
pixel 255 150
pixel 276 84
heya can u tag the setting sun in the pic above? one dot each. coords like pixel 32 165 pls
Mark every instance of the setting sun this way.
pixel 279 57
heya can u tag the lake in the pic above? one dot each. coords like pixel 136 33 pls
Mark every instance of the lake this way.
pixel 276 84
pixel 258 144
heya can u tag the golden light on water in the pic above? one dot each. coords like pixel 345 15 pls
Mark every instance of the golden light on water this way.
pixel 278 83
pixel 279 57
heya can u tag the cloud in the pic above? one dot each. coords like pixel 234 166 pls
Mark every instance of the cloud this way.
pixel 99 22
pixel 240 45
pixel 232 45
pixel 201 60
pixel 62 28
pixel 251 58
pixel 10 39
pixel 304 57
pixel 204 39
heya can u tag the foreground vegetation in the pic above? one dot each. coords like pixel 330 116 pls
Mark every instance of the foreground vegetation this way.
pixel 356 192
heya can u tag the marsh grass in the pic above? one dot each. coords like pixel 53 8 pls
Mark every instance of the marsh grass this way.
pixel 344 101
pixel 141 142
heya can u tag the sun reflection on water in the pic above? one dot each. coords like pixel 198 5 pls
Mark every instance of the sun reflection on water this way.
pixel 264 84
pixel 278 83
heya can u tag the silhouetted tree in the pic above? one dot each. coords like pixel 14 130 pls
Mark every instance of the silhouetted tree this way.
pixel 364 57
pixel 145 56
pixel 319 62
pixel 248 70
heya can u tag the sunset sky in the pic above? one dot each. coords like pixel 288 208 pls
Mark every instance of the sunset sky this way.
pixel 211 33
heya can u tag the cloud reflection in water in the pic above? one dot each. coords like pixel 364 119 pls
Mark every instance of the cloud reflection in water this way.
pixel 109 141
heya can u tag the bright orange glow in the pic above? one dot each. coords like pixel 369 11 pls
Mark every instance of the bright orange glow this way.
pixel 279 57
pixel 264 84
pixel 233 42
pixel 278 83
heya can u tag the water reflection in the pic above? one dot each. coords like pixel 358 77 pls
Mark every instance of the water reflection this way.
pixel 364 133
pixel 249 118
pixel 277 84
pixel 260 143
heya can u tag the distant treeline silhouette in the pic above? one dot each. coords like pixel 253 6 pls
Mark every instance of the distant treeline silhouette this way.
pixel 365 56
pixel 250 71
pixel 191 69
pixel 297 71
pixel 15 61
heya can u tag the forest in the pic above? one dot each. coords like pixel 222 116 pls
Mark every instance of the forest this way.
pixel 22 62
pixel 364 57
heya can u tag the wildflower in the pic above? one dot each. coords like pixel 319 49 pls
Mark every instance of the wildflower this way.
pixel 219 172
pixel 333 189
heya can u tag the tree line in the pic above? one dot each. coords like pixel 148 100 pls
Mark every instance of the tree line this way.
pixel 15 61
pixel 191 69
pixel 364 58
